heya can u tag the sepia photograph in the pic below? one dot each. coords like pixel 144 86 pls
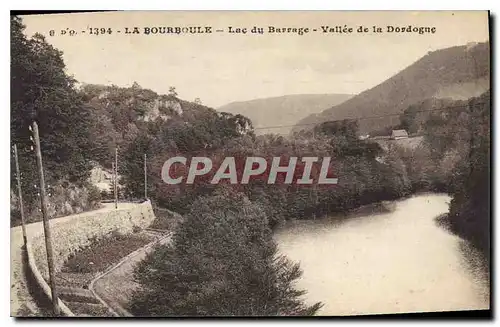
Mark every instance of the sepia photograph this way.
pixel 250 164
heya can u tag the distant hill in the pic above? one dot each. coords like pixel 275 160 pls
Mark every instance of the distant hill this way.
pixel 458 73
pixel 284 110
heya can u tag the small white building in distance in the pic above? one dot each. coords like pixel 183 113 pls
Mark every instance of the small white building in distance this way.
pixel 398 134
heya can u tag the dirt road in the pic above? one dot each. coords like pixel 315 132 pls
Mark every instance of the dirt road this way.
pixel 21 301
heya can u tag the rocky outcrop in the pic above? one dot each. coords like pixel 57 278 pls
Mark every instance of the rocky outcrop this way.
pixel 164 109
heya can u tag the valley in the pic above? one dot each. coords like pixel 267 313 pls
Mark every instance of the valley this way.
pixel 340 178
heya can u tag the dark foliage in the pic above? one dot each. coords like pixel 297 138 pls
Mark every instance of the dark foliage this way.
pixel 223 262
pixel 41 91
pixel 105 252
pixel 470 212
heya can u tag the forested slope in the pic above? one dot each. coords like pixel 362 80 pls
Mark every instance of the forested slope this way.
pixel 461 71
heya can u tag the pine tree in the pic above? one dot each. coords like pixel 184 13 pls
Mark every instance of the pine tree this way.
pixel 223 262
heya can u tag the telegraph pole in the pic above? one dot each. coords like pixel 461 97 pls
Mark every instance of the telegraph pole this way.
pixel 46 226
pixel 113 177
pixel 145 178
pixel 116 178
pixel 21 209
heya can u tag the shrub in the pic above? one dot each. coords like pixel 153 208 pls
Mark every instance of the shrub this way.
pixel 105 194
pixel 94 195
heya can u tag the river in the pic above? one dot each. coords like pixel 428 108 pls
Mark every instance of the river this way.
pixel 394 260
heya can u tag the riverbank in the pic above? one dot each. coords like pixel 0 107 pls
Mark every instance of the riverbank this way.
pixel 483 247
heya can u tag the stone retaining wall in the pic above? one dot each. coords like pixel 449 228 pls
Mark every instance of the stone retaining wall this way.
pixel 74 232
pixel 42 283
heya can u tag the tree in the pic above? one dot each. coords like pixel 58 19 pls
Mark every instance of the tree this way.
pixel 172 92
pixel 408 119
pixel 41 91
pixel 346 128
pixel 223 262
pixel 133 165
pixel 470 207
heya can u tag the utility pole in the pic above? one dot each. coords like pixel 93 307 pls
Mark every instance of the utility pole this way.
pixel 21 208
pixel 113 177
pixel 315 197
pixel 145 178
pixel 46 226
pixel 116 178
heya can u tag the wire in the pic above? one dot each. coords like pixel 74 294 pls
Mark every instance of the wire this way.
pixel 365 118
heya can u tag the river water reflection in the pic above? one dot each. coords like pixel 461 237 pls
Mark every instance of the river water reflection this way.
pixel 396 260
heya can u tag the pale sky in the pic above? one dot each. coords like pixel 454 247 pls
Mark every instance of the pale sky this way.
pixel 220 68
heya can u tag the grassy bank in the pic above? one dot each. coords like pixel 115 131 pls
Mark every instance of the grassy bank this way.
pixel 81 267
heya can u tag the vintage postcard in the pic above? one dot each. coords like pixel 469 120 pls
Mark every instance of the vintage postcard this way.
pixel 250 163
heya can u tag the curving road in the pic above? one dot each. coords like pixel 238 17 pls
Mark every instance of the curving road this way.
pixel 21 301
